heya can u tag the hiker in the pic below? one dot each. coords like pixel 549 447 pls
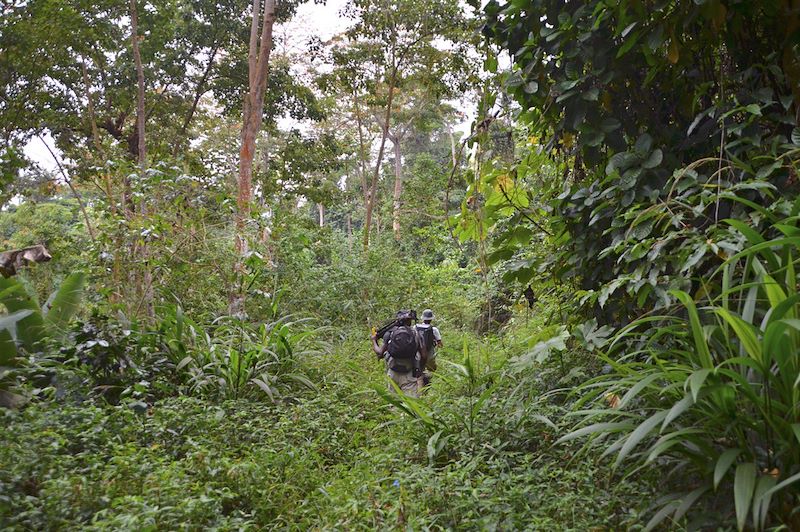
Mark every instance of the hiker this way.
pixel 431 339
pixel 402 351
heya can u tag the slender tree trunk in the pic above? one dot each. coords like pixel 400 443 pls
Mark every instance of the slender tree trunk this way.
pixel 321 209
pixel 90 108
pixel 253 108
pixel 398 186
pixel 137 58
pixel 362 151
pixel 198 93
pixel 146 298
pixel 452 145
pixel 376 173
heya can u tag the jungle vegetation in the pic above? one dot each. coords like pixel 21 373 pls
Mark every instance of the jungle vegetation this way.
pixel 599 199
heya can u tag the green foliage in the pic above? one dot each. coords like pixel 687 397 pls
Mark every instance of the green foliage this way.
pixel 712 390
pixel 27 326
pixel 54 222
pixel 235 360
pixel 325 274
pixel 336 459
pixel 612 101
pixel 45 322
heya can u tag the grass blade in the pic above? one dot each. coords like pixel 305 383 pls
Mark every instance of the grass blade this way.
pixel 697 329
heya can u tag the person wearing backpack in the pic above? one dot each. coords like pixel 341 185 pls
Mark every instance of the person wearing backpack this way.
pixel 403 352
pixel 431 339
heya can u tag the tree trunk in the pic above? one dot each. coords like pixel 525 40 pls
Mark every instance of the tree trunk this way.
pixel 137 58
pixel 376 173
pixel 253 108
pixel 321 209
pixel 198 93
pixel 90 108
pixel 146 298
pixel 452 145
pixel 362 151
pixel 398 187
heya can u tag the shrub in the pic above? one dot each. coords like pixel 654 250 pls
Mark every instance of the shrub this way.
pixel 711 394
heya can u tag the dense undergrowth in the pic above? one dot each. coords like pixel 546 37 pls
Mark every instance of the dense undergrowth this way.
pixel 342 458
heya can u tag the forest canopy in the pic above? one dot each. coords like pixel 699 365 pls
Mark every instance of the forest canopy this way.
pixel 210 208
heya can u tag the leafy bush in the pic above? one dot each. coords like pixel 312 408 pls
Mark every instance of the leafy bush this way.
pixel 333 460
pixel 28 326
pixel 233 359
pixel 711 393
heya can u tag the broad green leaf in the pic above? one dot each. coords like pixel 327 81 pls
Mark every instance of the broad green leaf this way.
pixel 639 386
pixel 773 290
pixel 677 409
pixel 8 349
pixel 659 516
pixel 754 109
pixel 262 383
pixel 667 441
pixel 724 463
pixel 791 480
pixel 696 380
pixel 544 420
pixel 688 501
pixel 654 160
pixel 30 329
pixel 765 171
pixel 761 502
pixel 643 144
pixel 765 247
pixel 753 236
pixel 796 430
pixel 743 487
pixel 8 326
pixel 476 408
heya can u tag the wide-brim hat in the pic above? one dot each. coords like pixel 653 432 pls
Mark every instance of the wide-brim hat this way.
pixel 427 314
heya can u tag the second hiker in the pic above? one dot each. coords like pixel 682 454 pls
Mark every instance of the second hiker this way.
pixel 431 339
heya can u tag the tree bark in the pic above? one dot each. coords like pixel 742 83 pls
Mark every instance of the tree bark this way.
pixel 398 186
pixel 90 108
pixel 381 150
pixel 137 58
pixel 252 113
pixel 147 298
pixel 452 145
pixel 362 151
pixel 321 209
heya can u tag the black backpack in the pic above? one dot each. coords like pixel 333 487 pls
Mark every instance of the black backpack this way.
pixel 426 335
pixel 403 343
